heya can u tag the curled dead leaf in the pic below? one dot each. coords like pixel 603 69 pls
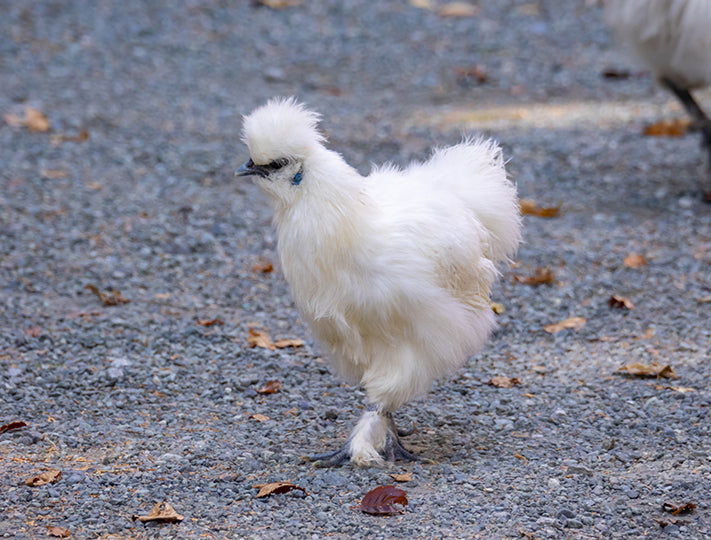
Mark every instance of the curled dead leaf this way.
pixel 648 370
pixel 677 510
pixel 270 388
pixel 161 512
pixel 259 417
pixel 405 477
pixel 48 477
pixel 634 260
pixel 529 207
pixel 497 308
pixel 504 382
pixel 259 338
pixel 112 297
pixel 383 500
pixel 620 302
pixel 276 488
pixel 285 343
pixel 576 323
pixel 82 136
pixel 12 426
pixel 58 532
pixel 542 276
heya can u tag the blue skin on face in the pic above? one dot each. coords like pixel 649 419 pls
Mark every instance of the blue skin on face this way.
pixel 297 179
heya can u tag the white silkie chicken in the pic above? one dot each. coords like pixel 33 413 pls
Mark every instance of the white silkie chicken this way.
pixel 391 271
pixel 673 38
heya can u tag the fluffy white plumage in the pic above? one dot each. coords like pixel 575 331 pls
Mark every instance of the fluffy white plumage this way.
pixel 391 271
pixel 671 37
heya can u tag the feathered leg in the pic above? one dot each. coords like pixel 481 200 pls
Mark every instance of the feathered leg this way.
pixel 374 441
pixel 703 122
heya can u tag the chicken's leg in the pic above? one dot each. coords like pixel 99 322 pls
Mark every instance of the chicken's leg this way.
pixel 374 441
pixel 702 121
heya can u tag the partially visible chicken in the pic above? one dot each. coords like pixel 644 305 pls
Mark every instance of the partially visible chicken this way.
pixel 391 271
pixel 673 38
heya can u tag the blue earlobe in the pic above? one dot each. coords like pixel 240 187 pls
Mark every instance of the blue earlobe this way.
pixel 297 179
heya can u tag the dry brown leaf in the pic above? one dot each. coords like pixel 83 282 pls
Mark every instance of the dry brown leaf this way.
pixel 285 343
pixel 542 276
pixel 677 510
pixel 576 323
pixel 277 4
pixel 634 260
pixel 470 74
pixel 497 308
pixel 383 500
pixel 58 532
pixel 82 136
pixel 617 301
pixel 704 299
pixel 109 298
pixel 13 120
pixel 276 488
pixel 676 127
pixel 504 382
pixel 405 477
pixel 529 207
pixel 263 266
pixel 270 388
pixel 457 9
pixel 12 426
pixel 35 120
pixel 259 338
pixel 422 4
pixel 259 417
pixel 162 512
pixel 53 174
pixel 210 322
pixel 48 477
pixel 678 389
pixel 648 370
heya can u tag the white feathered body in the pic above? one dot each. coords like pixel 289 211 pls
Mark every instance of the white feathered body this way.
pixel 393 271
pixel 671 37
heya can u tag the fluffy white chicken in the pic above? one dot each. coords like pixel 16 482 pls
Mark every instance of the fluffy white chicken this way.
pixel 391 271
pixel 673 38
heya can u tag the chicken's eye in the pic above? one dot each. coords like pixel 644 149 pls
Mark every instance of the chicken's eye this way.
pixel 277 164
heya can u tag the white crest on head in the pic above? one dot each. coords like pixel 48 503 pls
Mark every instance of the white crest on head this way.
pixel 282 128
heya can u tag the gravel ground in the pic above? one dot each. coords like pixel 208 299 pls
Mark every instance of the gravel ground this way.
pixel 142 402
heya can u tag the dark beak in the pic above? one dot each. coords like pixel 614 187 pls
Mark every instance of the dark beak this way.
pixel 249 168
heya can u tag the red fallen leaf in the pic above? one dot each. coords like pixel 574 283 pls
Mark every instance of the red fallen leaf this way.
pixel 504 382
pixel 620 302
pixel 276 488
pixel 270 388
pixel 210 322
pixel 12 425
pixel 48 477
pixel 59 532
pixel 382 501
pixel 162 512
pixel 109 298
pixel 543 276
pixel 678 510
